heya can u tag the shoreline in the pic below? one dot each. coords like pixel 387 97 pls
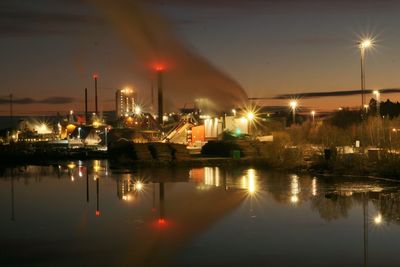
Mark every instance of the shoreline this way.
pixel 193 162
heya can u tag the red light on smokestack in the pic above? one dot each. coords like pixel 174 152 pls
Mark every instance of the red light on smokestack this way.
pixel 159 67
pixel 97 213
pixel 95 76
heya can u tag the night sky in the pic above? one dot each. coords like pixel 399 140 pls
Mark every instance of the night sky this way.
pixel 50 49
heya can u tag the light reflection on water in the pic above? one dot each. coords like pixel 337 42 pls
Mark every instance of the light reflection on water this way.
pixel 84 213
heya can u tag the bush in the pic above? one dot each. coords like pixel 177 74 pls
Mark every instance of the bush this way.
pixel 219 148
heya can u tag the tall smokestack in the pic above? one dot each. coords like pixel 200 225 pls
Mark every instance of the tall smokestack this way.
pixel 159 70
pixel 95 77
pixel 86 108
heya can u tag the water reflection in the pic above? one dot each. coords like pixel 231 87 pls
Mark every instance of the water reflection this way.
pixel 332 198
pixel 294 188
pixel 12 198
pixel 165 210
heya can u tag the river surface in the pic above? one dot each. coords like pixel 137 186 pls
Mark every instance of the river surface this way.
pixel 91 214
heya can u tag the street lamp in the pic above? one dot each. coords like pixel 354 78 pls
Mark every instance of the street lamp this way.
pixel 313 116
pixel 363 45
pixel 378 100
pixel 138 110
pixel 293 106
pixel 250 117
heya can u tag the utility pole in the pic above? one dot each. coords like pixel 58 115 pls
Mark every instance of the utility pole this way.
pixel 11 110
pixel 95 77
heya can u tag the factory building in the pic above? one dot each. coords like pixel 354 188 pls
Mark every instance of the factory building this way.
pixel 125 100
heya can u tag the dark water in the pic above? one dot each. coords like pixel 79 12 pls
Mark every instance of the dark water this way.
pixel 87 214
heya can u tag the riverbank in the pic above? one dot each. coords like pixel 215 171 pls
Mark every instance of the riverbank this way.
pixel 252 154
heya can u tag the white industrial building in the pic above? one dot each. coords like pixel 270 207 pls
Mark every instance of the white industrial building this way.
pixel 125 102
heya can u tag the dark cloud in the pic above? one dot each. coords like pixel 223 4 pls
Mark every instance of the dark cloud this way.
pixel 56 100
pixel 331 94
pixel 251 3
pixel 47 17
pixel 312 41
pixel 18 20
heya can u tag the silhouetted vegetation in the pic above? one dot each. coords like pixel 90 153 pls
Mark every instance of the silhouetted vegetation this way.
pixel 219 148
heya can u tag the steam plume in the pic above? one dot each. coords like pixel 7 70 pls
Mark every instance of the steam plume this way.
pixel 188 76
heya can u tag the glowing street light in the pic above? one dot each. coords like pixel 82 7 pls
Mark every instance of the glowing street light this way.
pixel 234 112
pixel 250 115
pixel 363 46
pixel 138 110
pixel 366 43
pixel 293 106
pixel 138 186
pixel 313 116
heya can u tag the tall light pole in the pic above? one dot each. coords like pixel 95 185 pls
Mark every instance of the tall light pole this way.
pixel 293 106
pixel 378 113
pixel 11 111
pixel 363 45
